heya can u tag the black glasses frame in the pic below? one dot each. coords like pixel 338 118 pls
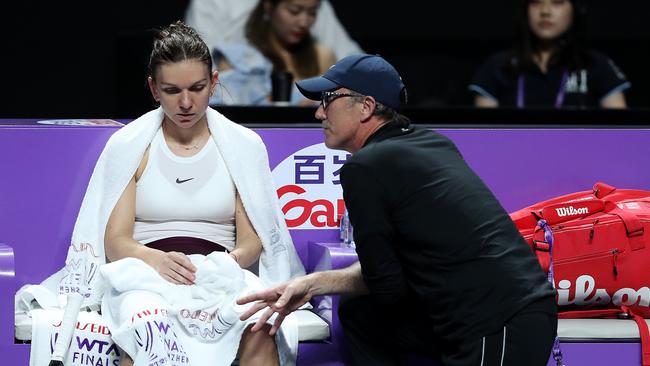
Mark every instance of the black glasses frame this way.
pixel 328 97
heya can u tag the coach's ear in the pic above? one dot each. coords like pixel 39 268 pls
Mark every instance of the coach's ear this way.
pixel 368 105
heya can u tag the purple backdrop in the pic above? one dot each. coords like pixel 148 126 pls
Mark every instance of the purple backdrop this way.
pixel 45 170
pixel 521 166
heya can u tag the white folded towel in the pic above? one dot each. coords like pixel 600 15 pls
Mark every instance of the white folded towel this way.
pixel 153 318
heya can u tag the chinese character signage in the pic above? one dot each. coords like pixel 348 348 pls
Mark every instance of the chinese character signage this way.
pixel 309 187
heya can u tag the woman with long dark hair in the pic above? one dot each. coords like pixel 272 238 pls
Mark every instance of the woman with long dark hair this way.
pixel 279 40
pixel 549 67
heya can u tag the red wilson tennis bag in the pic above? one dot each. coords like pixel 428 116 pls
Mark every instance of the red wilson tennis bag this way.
pixel 600 246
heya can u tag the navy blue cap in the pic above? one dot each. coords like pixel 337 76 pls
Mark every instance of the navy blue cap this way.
pixel 365 74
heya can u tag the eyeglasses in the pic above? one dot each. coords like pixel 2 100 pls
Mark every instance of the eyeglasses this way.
pixel 328 97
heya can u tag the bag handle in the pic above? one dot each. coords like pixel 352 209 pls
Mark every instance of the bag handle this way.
pixel 601 189
pixel 562 212
pixel 633 226
pixel 580 207
pixel 567 211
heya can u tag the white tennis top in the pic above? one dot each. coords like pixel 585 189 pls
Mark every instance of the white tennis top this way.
pixel 185 196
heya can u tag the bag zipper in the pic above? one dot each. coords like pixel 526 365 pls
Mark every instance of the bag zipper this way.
pixel 614 252
pixel 604 253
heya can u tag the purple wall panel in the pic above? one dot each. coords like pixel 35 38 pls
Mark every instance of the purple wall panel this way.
pixel 44 171
pixel 521 166
pixel 525 166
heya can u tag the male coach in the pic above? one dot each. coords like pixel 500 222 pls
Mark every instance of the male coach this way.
pixel 439 257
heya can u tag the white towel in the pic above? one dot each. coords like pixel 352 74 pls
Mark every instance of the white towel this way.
pixel 247 161
pixel 91 342
pixel 206 309
pixel 196 325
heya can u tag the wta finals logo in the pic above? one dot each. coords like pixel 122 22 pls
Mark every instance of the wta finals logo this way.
pixel 309 187
pixel 91 344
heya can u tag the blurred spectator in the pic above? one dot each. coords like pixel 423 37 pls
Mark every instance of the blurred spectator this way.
pixel 278 40
pixel 549 66
pixel 223 21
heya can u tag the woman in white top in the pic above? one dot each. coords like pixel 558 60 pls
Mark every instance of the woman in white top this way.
pixel 182 200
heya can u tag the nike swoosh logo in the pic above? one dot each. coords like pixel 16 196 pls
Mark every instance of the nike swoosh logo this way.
pixel 179 181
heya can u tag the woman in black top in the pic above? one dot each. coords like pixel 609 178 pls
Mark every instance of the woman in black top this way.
pixel 549 67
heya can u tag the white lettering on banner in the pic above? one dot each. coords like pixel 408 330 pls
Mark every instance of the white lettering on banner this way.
pixel 631 205
pixel 571 211
pixel 309 187
pixel 585 287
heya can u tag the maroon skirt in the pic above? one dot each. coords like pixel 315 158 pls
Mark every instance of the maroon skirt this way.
pixel 186 245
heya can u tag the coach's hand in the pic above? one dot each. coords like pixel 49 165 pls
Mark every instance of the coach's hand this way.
pixel 283 300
